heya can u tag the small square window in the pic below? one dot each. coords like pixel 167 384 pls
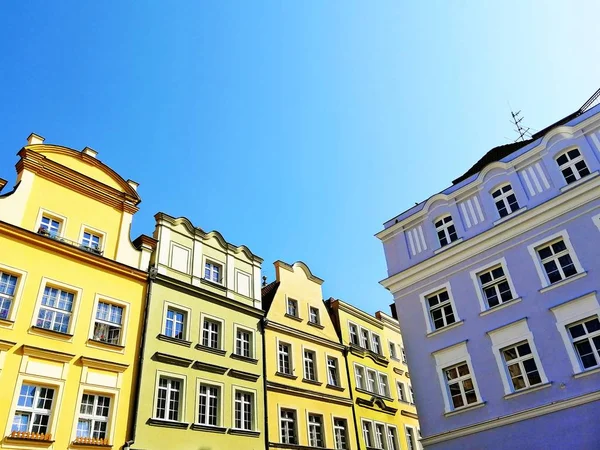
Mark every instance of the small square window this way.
pixel 572 165
pixel 556 261
pixel 446 231
pixel 441 310
pixel 585 336
pixel 34 408
pixel 521 366
pixel 213 272
pixel 108 325
pixel 495 286
pixel 55 310
pixel 50 226
pixel 292 307
pixel 505 200
pixel 461 388
pixel 91 242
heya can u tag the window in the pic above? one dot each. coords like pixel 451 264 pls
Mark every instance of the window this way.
pixel 364 338
pixel 314 315
pixel 33 409
pixel 403 355
pixel 108 323
pixel 505 200
pixel 521 366
pixel 8 286
pixel 244 405
pixel 50 226
pixel 585 336
pixel 440 309
pixel 371 380
pixel 292 307
pixel 208 405
pixel 315 430
pixel 353 334
pixel 55 312
pixel 213 271
pixel 410 438
pixel 284 358
pixel 359 372
pixel 412 394
pixel 460 385
pixel 401 392
pixel 210 333
pixel 384 388
pixel 309 365
pixel 446 231
pixel 393 350
pixel 572 165
pixel 495 286
pixel 169 393
pixel 90 240
pixel 392 438
pixel 175 323
pixel 332 371
pixel 556 260
pixel 93 416
pixel 243 340
pixel 368 433
pixel 340 435
pixel 379 435
pixel 288 426
pixel 376 343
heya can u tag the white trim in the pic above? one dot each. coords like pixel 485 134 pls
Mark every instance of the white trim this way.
pixel 290 354
pixel 338 368
pixel 582 180
pixel 596 220
pixel 563 282
pixel 172 246
pixel 255 419
pixel 183 309
pixel 448 246
pixel 221 335
pixel 221 402
pixel 500 306
pixel 521 210
pixel 479 291
pixel 222 273
pixel 113 394
pixel 182 394
pixel 124 319
pixel 20 287
pixel 306 348
pixel 296 427
pixel 62 219
pixel 77 299
pixel 101 234
pixel 307 413
pixel 426 311
pixel 414 435
pixel 237 326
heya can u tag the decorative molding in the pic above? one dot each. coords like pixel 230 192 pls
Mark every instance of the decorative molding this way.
pixel 209 428
pixel 167 423
pixel 103 365
pixel 206 367
pixel 270 325
pixel 376 403
pixel 172 359
pixel 292 390
pixel 471 211
pixel 239 432
pixel 302 266
pixel 416 239
pixel 243 358
pixel 243 375
pixel 535 179
pixel 172 340
pixel 6 345
pixel 49 355
pixel 412 415
pixel 216 351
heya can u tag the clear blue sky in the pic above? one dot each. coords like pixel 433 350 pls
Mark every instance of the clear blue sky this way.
pixel 294 127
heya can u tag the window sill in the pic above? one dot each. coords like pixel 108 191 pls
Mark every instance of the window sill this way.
pixel 213 284
pixel 209 428
pixel 568 187
pixel 240 432
pixel 286 375
pixel 172 340
pixel 563 282
pixel 503 305
pixel 244 358
pixel 6 323
pixel 59 334
pixel 34 442
pixel 510 216
pixel 90 445
pixel 586 372
pixel 168 423
pixel 374 394
pixel 446 328
pixel 527 390
pixel 446 247
pixel 316 325
pixel 296 318
pixel 315 382
pixel 335 387
pixel 464 409
pixel 106 345
pixel 216 351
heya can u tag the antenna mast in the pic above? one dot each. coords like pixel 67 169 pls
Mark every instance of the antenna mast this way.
pixel 521 131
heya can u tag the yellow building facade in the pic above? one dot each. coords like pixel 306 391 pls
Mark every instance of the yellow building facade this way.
pixel 202 380
pixel 309 401
pixel 384 411
pixel 72 296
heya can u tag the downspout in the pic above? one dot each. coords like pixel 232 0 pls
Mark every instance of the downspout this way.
pixel 263 323
pixel 151 277
pixel 352 397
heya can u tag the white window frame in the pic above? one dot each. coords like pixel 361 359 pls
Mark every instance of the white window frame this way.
pixel 34 410
pixel 252 346
pixel 571 312
pixel 78 293
pixel 401 388
pixel 220 334
pixel 371 429
pixel 254 410
pixel 290 356
pixel 411 394
pixel 426 309
pixel 383 382
pixel 292 301
pixel 312 352
pixel 376 342
pixel 94 418
pixel 571 164
pixel 344 432
pixel 214 262
pixel 374 386
pixel 294 423
pixel 392 350
pixel 54 216
pixel 357 334
pixel 379 443
pixel 337 381
pixel 220 400
pixel 21 276
pixel 186 319
pixel 124 319
pixel 413 435
pixel 310 315
pixel 541 271
pixel 444 228
pixel 596 220
pixel 403 355
pixel 503 198
pixel 479 288
pixel 182 396
pixel 113 393
pixel 395 444
pixel 99 233
pixel 506 336
pixel 363 374
pixel 321 425
pixel 365 341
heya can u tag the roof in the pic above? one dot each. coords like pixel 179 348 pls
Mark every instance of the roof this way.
pixel 268 294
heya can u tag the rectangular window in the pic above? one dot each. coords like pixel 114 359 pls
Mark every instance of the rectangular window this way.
pixel 91 241
pixel 585 336
pixel 212 272
pixel 8 286
pixel 50 226
pixel 169 394
pixel 379 435
pixel 359 372
pixel 332 371
pixel 403 355
pixel 494 285
pixel 211 334
pixel 440 309
pixel 376 343
pixel 521 366
pixel 55 311
pixel 314 316
pixel 292 307
pixel 315 430
pixel 340 435
pixel 309 366
pixel 384 388
pixel 284 359
pixel 364 338
pixel 401 392
pixel 108 323
pixel 392 438
pixel 175 323
pixel 244 405
pixel 392 350
pixel 446 231
pixel 460 385
pixel 572 166
pixel 412 394
pixel 353 334
pixel 93 417
pixel 371 381
pixel 505 200
pixel 34 408
pixel 243 343
pixel 556 260
pixel 288 426
pixel 208 405
pixel 411 440
pixel 368 433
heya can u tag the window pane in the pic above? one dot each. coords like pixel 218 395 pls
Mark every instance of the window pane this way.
pixel 593 325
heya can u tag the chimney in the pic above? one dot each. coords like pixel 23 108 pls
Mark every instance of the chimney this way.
pixel 35 139
pixel 90 152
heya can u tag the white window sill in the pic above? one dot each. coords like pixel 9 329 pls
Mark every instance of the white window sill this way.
pixel 446 328
pixel 586 372
pixel 568 187
pixel 563 282
pixel 511 215
pixel 464 409
pixel 503 305
pixel 446 247
pixel 528 390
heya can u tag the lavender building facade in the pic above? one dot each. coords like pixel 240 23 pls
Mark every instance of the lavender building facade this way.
pixel 495 282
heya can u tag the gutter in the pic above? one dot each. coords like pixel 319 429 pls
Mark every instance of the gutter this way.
pixel 351 397
pixel 264 363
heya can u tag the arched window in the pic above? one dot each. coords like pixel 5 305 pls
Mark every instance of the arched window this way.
pixel 505 200
pixel 445 230
pixel 572 165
